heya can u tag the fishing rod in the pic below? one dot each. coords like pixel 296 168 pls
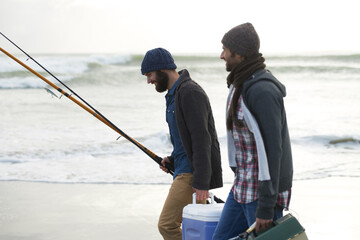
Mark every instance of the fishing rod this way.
pixel 87 107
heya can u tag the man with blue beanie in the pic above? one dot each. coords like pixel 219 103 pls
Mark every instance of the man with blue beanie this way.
pixel 196 151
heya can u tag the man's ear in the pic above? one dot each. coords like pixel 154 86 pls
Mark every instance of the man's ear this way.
pixel 238 57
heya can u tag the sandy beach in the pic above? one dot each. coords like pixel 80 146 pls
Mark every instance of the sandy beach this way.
pixel 28 210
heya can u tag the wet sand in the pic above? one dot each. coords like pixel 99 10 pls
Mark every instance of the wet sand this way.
pixel 37 211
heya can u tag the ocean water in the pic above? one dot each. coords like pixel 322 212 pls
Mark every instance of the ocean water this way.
pixel 44 138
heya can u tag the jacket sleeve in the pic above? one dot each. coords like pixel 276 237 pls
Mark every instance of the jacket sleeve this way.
pixel 265 101
pixel 195 110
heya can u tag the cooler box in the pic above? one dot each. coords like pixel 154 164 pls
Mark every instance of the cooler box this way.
pixel 200 220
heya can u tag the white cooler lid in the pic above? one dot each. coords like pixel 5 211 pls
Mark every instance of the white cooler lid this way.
pixel 203 212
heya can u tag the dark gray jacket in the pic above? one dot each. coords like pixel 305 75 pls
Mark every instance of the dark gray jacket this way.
pixel 263 95
pixel 197 131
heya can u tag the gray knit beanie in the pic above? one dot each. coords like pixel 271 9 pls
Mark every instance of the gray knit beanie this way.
pixel 242 40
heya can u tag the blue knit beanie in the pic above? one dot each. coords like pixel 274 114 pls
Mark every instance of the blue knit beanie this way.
pixel 157 59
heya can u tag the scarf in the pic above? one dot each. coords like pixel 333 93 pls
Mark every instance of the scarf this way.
pixel 237 77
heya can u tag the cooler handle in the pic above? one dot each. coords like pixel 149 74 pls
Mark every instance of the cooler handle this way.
pixel 211 196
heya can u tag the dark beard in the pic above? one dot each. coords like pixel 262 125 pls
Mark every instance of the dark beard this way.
pixel 228 67
pixel 231 64
pixel 162 81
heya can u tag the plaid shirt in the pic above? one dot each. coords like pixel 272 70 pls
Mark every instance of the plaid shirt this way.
pixel 246 177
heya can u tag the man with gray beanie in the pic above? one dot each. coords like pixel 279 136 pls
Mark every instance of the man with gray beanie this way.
pixel 196 152
pixel 259 147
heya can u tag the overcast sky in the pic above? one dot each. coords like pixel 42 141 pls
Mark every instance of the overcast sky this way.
pixel 186 26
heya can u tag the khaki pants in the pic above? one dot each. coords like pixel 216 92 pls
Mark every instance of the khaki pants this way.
pixel 180 195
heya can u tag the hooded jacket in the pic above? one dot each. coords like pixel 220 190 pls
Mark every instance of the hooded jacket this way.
pixel 263 104
pixel 197 131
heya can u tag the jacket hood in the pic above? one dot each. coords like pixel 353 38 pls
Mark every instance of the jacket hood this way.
pixel 264 75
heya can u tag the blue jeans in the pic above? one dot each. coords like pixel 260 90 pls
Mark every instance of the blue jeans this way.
pixel 236 218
